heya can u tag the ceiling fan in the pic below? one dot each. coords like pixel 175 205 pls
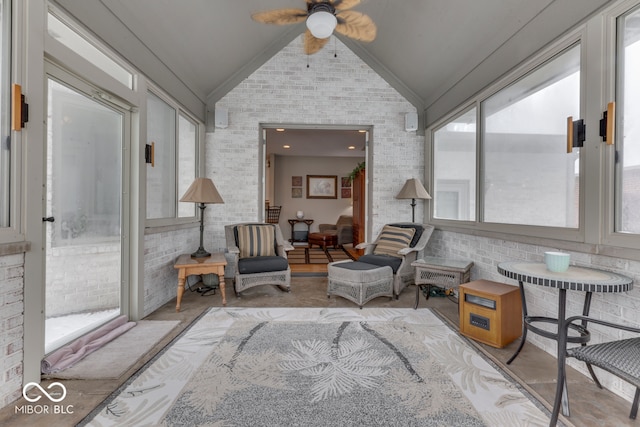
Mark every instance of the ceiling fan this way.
pixel 322 17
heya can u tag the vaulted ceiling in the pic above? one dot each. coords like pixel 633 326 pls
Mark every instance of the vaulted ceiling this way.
pixel 424 48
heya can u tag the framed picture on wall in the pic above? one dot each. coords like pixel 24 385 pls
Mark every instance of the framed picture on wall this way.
pixel 296 181
pixel 345 182
pixel 322 186
pixel 346 193
pixel 296 193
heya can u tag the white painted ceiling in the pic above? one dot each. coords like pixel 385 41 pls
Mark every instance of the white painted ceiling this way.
pixel 423 47
pixel 316 142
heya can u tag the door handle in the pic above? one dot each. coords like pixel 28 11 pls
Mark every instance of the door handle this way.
pixel 48 219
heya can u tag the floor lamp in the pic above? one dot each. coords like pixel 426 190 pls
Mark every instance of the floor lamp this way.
pixel 204 192
pixel 413 189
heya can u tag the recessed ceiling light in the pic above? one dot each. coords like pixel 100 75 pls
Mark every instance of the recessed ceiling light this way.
pixel 351 147
pixel 286 146
pixel 362 130
pixel 279 130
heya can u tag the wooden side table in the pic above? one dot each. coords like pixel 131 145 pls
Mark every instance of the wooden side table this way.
pixel 441 272
pixel 302 235
pixel 188 266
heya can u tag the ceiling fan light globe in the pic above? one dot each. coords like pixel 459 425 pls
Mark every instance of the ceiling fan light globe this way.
pixel 321 24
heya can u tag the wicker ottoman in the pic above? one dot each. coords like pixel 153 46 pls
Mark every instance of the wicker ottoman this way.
pixel 358 281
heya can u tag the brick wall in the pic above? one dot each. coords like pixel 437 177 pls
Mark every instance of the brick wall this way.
pixel 160 254
pixel 486 253
pixel 340 90
pixel 11 327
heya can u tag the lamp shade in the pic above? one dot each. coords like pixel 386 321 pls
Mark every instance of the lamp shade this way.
pixel 413 189
pixel 202 190
pixel 321 24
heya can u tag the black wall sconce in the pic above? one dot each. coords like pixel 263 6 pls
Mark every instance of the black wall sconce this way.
pixel 576 131
pixel 150 153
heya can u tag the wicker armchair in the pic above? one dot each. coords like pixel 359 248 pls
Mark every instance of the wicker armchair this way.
pixel 252 265
pixel 620 358
pixel 343 229
pixel 400 261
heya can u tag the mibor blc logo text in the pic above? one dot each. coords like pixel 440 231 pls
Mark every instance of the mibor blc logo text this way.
pixel 44 401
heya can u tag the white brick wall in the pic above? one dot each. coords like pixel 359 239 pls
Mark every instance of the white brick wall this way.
pixel 332 91
pixel 160 254
pixel 11 327
pixel 541 301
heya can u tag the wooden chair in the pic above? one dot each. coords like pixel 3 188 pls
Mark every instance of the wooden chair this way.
pixel 273 214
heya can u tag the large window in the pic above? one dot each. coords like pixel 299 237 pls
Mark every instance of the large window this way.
pixel 175 138
pixel 528 176
pixel 5 114
pixel 454 166
pixel 628 133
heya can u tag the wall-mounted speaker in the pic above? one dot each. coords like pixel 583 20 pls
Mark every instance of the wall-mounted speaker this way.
pixel 222 117
pixel 411 122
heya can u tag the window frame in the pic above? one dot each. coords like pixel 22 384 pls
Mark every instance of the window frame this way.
pixel 573 38
pixel 611 237
pixel 464 109
pixel 13 231
pixel 178 112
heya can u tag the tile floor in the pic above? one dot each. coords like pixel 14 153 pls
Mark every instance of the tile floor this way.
pixel 590 406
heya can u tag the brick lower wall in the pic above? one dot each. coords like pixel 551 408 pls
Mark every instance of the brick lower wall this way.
pixel 160 254
pixel 11 327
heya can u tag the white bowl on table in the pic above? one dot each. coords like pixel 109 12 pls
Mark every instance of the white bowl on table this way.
pixel 557 262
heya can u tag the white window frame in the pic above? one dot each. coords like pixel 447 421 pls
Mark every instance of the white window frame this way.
pixel 569 234
pixel 611 236
pixel 13 231
pixel 179 111
pixel 596 232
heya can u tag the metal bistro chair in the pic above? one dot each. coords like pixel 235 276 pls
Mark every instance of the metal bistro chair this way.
pixel 273 214
pixel 620 358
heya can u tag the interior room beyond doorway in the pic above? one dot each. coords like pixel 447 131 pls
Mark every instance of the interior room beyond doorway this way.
pixel 297 160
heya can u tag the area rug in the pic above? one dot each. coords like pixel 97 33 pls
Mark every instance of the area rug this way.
pixel 316 255
pixel 115 358
pixel 320 367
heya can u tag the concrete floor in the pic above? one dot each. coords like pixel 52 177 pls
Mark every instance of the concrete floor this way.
pixel 535 369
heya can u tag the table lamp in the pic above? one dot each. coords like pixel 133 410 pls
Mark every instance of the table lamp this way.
pixel 204 192
pixel 413 189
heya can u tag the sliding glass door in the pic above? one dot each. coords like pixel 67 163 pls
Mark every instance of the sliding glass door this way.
pixel 84 205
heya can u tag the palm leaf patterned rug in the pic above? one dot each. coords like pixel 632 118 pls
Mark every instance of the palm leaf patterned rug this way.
pixel 320 367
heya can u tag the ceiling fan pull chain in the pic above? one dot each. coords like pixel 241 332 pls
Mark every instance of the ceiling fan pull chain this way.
pixel 335 48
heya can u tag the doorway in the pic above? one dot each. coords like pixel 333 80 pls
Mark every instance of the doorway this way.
pixel 304 150
pixel 84 247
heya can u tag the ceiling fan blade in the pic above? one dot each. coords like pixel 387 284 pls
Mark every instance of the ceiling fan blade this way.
pixel 344 4
pixel 280 16
pixel 356 25
pixel 312 44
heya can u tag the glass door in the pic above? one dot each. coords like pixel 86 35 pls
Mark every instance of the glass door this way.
pixel 84 205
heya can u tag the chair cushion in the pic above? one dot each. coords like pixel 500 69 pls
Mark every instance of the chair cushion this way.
pixel 419 230
pixel 392 239
pixel 256 240
pixel 262 264
pixel 356 265
pixel 382 260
